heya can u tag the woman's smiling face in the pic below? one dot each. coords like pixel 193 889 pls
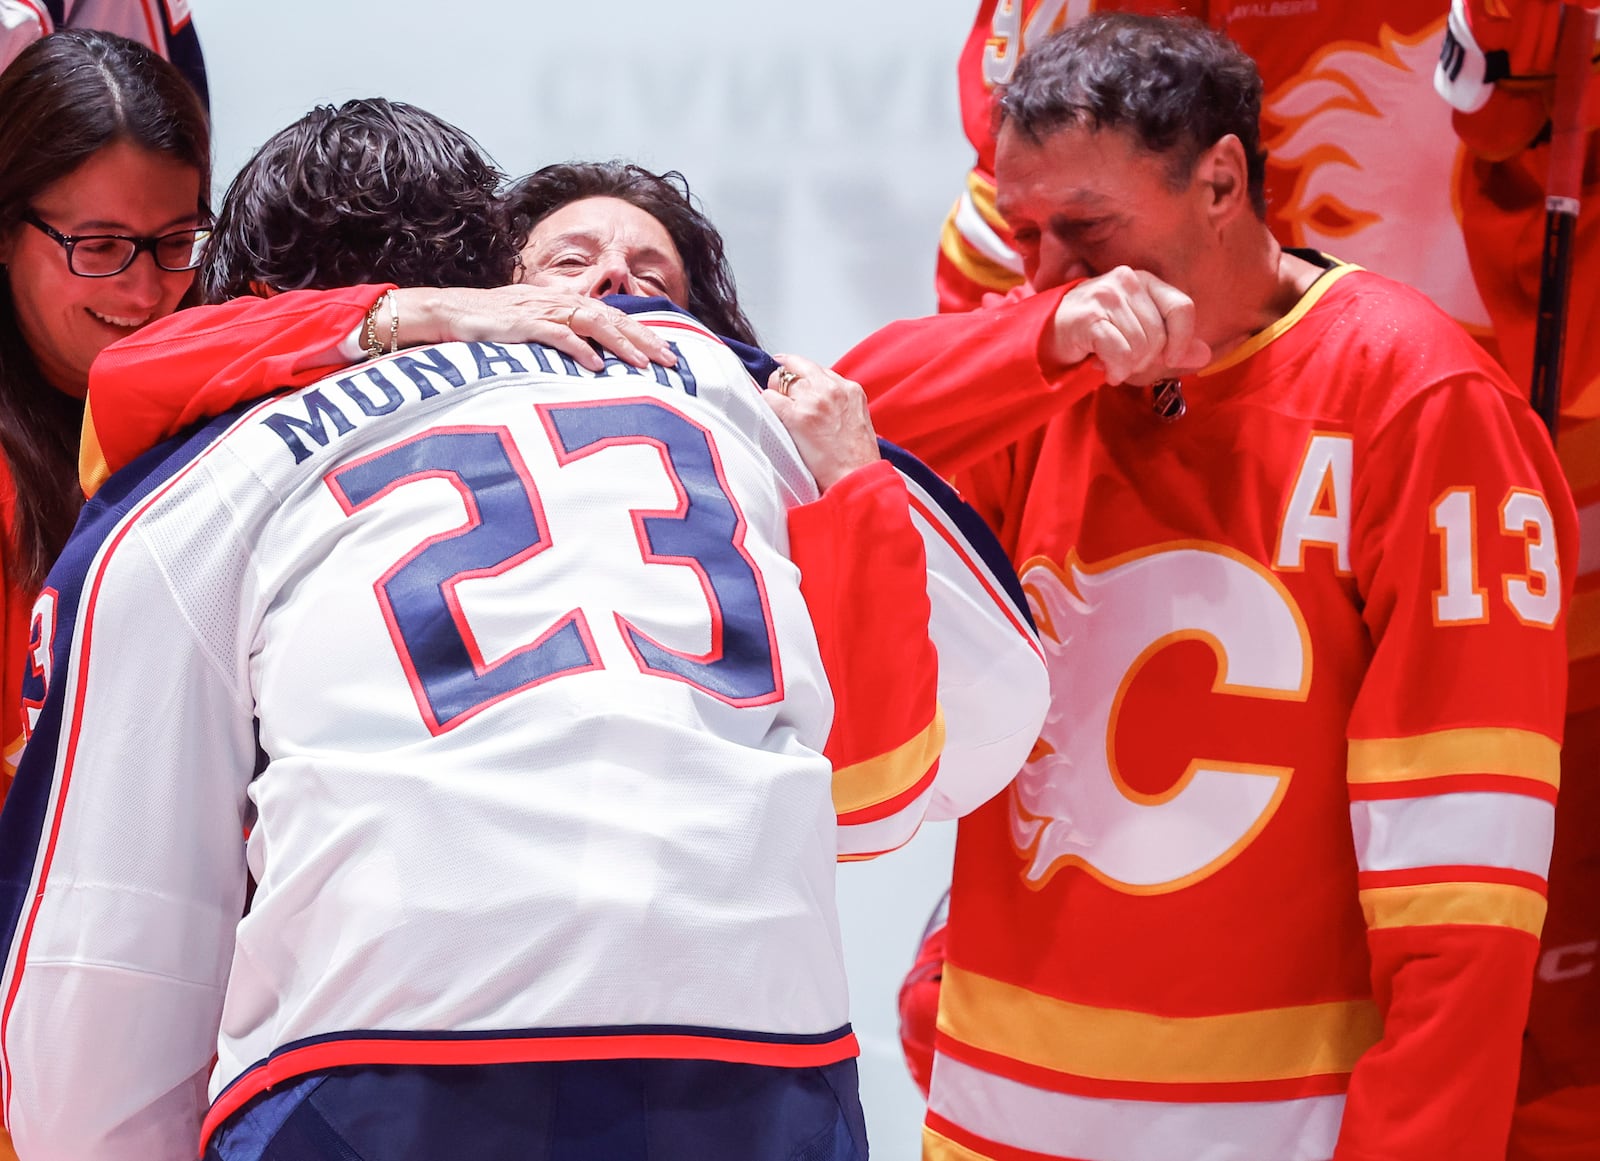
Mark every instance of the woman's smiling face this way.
pixel 67 320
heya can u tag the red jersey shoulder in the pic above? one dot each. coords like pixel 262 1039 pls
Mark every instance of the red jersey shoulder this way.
pixel 1388 344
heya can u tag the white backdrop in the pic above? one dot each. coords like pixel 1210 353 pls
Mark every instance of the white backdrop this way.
pixel 823 139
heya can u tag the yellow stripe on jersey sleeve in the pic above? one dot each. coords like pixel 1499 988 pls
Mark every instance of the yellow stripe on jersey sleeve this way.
pixel 974 266
pixel 92 467
pixel 1120 1045
pixel 982 193
pixel 1446 904
pixel 879 779
pixel 1516 753
pixel 8 769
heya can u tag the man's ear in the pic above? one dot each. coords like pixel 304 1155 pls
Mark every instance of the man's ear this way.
pixel 1223 171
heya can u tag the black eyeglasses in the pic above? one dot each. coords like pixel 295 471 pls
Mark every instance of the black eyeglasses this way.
pixel 102 255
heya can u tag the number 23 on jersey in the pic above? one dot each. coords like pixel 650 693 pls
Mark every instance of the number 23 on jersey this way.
pixel 506 527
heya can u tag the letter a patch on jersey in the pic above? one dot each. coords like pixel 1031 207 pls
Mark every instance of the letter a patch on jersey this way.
pixel 1318 511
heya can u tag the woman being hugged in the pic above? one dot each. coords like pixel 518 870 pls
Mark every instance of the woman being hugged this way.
pixel 105 167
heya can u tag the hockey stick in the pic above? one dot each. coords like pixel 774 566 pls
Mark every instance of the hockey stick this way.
pixel 1574 48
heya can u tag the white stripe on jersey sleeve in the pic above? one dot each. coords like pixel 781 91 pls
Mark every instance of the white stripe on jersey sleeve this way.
pixel 993 685
pixel 1470 829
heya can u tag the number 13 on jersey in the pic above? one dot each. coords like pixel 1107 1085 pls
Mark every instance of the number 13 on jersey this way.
pixel 1533 595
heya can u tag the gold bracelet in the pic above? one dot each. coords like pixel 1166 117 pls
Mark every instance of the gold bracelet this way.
pixel 394 323
pixel 370 332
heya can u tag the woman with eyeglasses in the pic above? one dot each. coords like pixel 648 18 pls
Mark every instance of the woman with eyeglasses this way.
pixel 105 164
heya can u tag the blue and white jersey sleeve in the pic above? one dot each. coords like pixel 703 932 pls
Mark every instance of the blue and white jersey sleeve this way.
pixel 122 867
pixel 993 685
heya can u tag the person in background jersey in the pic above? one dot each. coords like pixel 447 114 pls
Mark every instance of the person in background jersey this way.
pixel 163 26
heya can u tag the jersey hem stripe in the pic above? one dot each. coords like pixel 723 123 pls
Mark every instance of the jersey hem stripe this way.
pixel 398 1048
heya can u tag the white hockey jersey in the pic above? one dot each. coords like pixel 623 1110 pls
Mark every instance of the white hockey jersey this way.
pixel 544 743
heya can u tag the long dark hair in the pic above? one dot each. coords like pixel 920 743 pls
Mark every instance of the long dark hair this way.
pixel 371 191
pixel 713 296
pixel 65 98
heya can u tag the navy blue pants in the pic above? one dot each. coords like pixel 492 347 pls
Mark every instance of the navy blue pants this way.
pixel 604 1110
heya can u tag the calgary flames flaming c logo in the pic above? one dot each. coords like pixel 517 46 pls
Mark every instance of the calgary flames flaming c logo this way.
pixel 1069 803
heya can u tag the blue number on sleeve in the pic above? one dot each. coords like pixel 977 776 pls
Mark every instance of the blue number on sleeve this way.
pixel 504 527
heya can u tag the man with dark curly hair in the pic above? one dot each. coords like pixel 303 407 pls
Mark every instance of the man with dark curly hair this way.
pixel 547 695
pixel 319 205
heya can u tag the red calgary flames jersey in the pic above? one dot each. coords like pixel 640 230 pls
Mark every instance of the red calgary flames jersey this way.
pixel 1271 883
